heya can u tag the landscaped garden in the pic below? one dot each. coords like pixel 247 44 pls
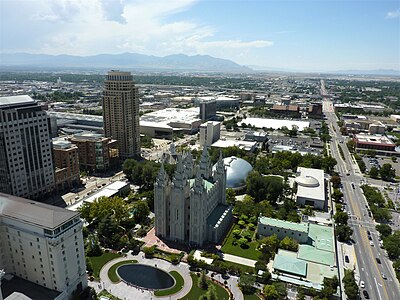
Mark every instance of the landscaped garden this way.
pixel 245 248
pixel 112 272
pixel 97 262
pixel 179 282
pixel 196 292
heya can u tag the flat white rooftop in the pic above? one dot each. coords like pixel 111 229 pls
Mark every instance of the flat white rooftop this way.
pixel 231 143
pixel 163 118
pixel 311 184
pixel 15 100
pixel 275 123
pixel 373 139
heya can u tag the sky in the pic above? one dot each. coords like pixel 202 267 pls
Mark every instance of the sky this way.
pixel 318 35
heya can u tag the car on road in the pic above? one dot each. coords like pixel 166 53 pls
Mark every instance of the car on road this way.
pixel 378 260
pixel 352 185
pixel 362 284
pixel 370 237
pixel 371 243
pixel 366 295
pixel 383 276
pixel 346 259
pixel 368 232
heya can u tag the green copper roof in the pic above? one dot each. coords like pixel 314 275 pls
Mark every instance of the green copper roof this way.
pixel 207 185
pixel 302 227
pixel 287 264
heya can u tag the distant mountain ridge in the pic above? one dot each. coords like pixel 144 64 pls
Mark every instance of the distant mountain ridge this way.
pixel 177 62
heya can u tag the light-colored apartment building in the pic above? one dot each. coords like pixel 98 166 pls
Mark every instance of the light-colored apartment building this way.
pixel 210 132
pixel 121 112
pixel 43 244
pixel 26 162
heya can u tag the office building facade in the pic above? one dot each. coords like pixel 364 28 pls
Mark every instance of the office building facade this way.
pixel 121 112
pixel 210 132
pixel 43 244
pixel 26 162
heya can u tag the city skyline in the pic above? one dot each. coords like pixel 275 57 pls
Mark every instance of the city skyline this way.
pixel 294 35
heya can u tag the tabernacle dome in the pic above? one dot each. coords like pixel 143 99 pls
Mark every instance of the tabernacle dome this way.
pixel 237 170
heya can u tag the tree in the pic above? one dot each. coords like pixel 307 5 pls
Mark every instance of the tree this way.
pixel 328 164
pixel 211 293
pixel 140 211
pixel 308 211
pixel 236 233
pixel 344 233
pixel 270 292
pixel 269 244
pixel 384 229
pixel 289 244
pixel 330 286
pixel 202 281
pixel 93 246
pixel 264 187
pixel 391 244
pixel 351 145
pixel 246 283
pixel 387 172
pixel 230 196
pixel 341 218
pixel 109 232
pixel 336 181
pixel 350 285
pixel 337 195
pixel 373 172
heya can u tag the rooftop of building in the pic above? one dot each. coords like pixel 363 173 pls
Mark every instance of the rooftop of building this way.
pixel 275 123
pixel 60 143
pixel 245 145
pixel 301 227
pixel 87 136
pixel 288 264
pixel 73 116
pixel 373 139
pixel 214 123
pixel 33 212
pixel 164 117
pixel 11 101
pixel 17 288
pixel 207 185
pixel 311 183
pixel 217 215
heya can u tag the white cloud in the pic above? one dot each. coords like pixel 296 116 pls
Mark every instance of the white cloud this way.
pixel 393 14
pixel 86 27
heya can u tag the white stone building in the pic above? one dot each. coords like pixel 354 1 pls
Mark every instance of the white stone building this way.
pixel 311 188
pixel 26 161
pixel 43 244
pixel 210 132
pixel 191 208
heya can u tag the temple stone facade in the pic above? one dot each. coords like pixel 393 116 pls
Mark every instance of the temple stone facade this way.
pixel 191 208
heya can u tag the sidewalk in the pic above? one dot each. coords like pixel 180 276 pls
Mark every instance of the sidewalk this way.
pixel 239 260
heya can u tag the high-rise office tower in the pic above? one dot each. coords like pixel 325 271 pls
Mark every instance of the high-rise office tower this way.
pixel 26 162
pixel 121 112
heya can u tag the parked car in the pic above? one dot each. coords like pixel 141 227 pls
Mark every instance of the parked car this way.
pixel 366 295
pixel 362 284
pixel 346 259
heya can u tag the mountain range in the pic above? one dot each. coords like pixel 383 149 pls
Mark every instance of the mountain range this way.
pixel 176 62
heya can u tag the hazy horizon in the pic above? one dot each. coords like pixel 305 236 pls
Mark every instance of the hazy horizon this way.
pixel 295 35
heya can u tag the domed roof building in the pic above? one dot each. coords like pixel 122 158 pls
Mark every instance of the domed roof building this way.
pixel 237 170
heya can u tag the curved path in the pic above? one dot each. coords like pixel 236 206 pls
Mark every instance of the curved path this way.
pixel 126 292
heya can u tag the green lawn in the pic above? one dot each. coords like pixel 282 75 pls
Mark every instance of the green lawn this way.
pixel 176 288
pixel 251 297
pixel 229 248
pixel 99 261
pixel 112 272
pixel 196 292
pixel 108 295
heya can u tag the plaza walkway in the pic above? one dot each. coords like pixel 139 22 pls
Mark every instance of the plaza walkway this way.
pixel 125 292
